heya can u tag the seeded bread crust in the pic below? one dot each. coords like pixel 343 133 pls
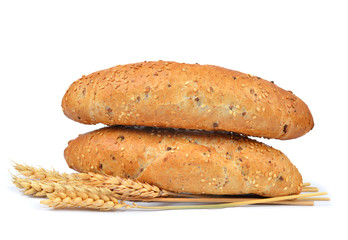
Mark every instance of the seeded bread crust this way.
pixel 188 96
pixel 197 162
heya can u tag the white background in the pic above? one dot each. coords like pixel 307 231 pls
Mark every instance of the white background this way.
pixel 45 46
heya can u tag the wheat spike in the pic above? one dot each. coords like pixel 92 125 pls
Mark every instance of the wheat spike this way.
pixel 84 197
pixel 43 174
pixel 35 188
pixel 122 188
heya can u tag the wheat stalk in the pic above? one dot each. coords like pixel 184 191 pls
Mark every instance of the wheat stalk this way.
pixel 122 188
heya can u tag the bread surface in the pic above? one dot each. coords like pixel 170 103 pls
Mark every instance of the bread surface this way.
pixel 195 162
pixel 188 96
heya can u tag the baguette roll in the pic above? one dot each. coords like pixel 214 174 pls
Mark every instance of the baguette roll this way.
pixel 183 161
pixel 188 96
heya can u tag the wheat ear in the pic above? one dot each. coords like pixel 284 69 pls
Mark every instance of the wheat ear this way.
pixel 35 188
pixel 83 197
pixel 41 188
pixel 43 174
pixel 124 188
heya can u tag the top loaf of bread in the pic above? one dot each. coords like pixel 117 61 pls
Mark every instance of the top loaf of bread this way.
pixel 189 96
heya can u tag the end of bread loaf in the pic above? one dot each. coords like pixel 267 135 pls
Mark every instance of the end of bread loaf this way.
pixel 298 118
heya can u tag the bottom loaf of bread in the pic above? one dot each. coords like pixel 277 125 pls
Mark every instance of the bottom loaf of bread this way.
pixel 186 161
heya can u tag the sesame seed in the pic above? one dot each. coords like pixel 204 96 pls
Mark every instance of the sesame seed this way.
pixel 186 155
pixel 203 106
pixel 230 111
pixel 214 179
pixel 202 180
pixel 209 110
pixel 258 109
pixel 187 82
pixel 285 188
pixel 237 106
pixel 269 178
pixel 155 97
pixel 195 90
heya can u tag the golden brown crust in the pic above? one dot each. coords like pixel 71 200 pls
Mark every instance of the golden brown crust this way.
pixel 186 161
pixel 189 96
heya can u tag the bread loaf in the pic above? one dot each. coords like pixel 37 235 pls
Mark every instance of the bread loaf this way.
pixel 195 162
pixel 189 96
